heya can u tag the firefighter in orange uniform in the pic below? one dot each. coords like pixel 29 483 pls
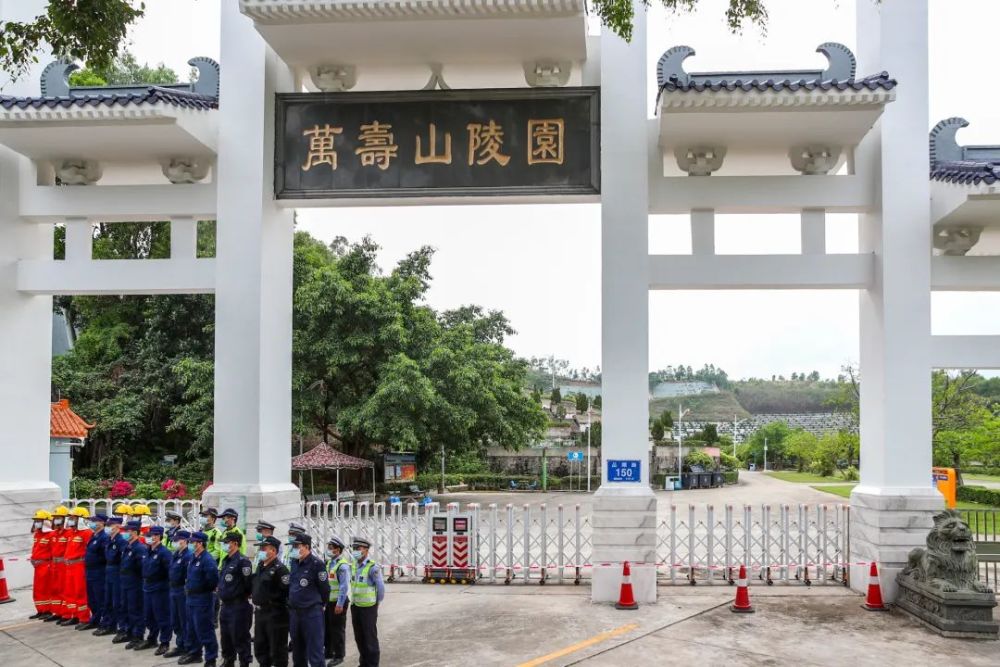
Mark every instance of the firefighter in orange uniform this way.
pixel 75 575
pixel 41 560
pixel 57 591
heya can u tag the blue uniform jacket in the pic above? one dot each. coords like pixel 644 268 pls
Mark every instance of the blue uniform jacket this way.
pixel 114 550
pixel 179 562
pixel 132 563
pixel 309 583
pixel 235 581
pixel 202 578
pixel 156 569
pixel 94 558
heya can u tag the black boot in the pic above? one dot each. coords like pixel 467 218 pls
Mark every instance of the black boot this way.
pixel 145 645
pixel 161 649
pixel 103 632
pixel 89 625
pixel 37 614
pixel 175 652
pixel 228 663
pixel 121 638
pixel 189 659
pixel 334 662
pixel 210 663
pixel 54 619
pixel 45 615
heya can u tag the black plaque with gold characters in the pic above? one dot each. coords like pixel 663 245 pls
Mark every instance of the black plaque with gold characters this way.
pixel 455 143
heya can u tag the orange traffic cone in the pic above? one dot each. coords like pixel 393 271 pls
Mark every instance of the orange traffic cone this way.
pixel 873 602
pixel 742 604
pixel 625 598
pixel 4 594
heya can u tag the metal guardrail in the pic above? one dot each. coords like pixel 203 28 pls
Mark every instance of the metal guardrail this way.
pixel 188 509
pixel 985 527
pixel 541 543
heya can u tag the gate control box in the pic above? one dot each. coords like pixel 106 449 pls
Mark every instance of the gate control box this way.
pixel 452 549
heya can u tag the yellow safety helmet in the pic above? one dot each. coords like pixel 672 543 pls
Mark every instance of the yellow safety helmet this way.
pixel 43 515
pixel 123 509
pixel 80 512
pixel 61 511
pixel 141 510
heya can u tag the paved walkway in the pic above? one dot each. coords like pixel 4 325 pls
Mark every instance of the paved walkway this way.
pixel 530 626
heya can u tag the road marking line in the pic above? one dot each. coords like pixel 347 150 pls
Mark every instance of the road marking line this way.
pixel 19 625
pixel 596 639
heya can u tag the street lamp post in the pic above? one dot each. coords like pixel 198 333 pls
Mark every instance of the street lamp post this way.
pixel 736 424
pixel 590 413
pixel 680 436
pixel 765 454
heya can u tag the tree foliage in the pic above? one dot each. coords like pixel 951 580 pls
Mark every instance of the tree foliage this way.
pixel 87 30
pixel 619 15
pixel 123 70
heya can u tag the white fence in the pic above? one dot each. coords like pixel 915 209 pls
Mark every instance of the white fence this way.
pixel 542 543
pixel 188 509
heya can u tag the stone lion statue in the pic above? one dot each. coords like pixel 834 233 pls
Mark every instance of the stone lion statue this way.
pixel 949 562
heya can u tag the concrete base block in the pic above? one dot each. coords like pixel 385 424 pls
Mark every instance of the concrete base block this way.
pixel 276 503
pixel 18 503
pixel 886 524
pixel 963 614
pixel 607 581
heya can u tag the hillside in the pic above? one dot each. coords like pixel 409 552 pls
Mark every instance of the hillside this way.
pixel 704 407
pixel 771 397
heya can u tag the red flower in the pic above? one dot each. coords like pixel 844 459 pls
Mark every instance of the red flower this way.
pixel 122 489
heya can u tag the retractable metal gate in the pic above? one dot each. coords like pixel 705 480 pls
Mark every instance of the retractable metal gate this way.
pixel 544 543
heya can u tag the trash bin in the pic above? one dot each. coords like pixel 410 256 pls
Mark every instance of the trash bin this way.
pixel 677 484
pixel 705 480
pixel 671 483
pixel 718 479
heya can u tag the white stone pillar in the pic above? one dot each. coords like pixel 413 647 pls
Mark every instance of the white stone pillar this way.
pixel 624 512
pixel 892 506
pixel 813 229
pixel 79 240
pixel 25 354
pixel 253 298
pixel 702 231
pixel 183 237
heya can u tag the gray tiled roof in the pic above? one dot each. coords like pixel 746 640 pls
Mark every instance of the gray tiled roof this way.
pixel 57 92
pixel 840 75
pixel 966 165
pixel 132 96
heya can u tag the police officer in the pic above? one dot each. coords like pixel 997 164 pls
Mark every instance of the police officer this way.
pixel 339 570
pixel 95 562
pixel 264 529
pixel 114 621
pixel 209 518
pixel 229 518
pixel 179 561
pixel 308 591
pixel 173 524
pixel 292 554
pixel 270 600
pixel 367 591
pixel 202 578
pixel 156 592
pixel 234 592
pixel 131 581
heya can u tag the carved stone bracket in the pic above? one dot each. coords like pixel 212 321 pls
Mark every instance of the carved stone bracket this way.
pixel 956 241
pixel 700 160
pixel 334 78
pixel 437 78
pixel 185 170
pixel 814 160
pixel 547 73
pixel 76 171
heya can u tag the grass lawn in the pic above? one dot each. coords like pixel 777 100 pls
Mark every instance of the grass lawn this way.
pixel 802 477
pixel 842 490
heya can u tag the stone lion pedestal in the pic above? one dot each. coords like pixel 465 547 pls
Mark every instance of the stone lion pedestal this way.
pixel 940 585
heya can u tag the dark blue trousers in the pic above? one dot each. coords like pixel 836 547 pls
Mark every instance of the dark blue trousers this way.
pixel 156 606
pixel 234 629
pixel 306 628
pixel 113 616
pixel 135 619
pixel 202 630
pixel 95 594
pixel 179 619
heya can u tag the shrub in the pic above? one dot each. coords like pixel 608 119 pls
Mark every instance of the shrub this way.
pixel 173 490
pixel 122 489
pixel 82 487
pixel 729 462
pixel 149 490
pixel 850 474
pixel 732 476
pixel 699 459
pixel 979 494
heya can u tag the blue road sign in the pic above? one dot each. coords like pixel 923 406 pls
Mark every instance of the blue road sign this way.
pixel 574 456
pixel 624 470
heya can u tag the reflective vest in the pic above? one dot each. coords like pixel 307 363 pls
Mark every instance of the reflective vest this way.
pixel 363 594
pixel 332 568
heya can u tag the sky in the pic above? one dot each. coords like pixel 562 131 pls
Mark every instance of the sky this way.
pixel 541 264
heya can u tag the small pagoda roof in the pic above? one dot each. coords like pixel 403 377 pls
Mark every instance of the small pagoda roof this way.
pixel 964 196
pixel 325 457
pixel 964 165
pixel 64 423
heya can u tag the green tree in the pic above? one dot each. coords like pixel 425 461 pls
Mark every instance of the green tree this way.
pixel 775 434
pixel 582 402
pixel 656 430
pixel 124 70
pixel 597 402
pixel 555 398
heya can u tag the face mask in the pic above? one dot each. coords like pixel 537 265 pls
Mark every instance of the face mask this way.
pixel 261 556
pixel 127 536
pixel 259 537
pixel 46 528
pixel 203 521
pixel 92 525
pixel 356 554
pixel 58 523
pixel 71 524
pixel 191 548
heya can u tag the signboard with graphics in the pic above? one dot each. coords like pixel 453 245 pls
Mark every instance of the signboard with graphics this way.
pixel 624 470
pixel 517 141
pixel 400 467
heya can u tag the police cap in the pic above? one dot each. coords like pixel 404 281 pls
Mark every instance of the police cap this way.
pixel 232 537
pixel 156 530
pixel 182 535
pixel 229 511
pixel 199 536
pixel 271 541
pixel 170 514
pixel 101 518
pixel 115 521
pixel 295 529
pixel 360 542
pixel 264 525
pixel 335 542
pixel 303 539
pixel 210 511
pixel 134 525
